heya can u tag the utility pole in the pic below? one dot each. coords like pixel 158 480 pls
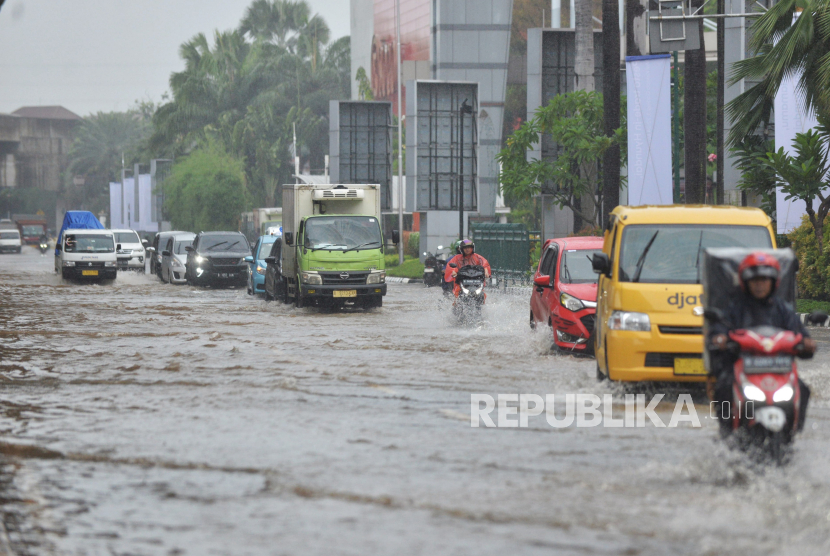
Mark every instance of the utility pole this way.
pixel 676 130
pixel 463 109
pixel 721 158
pixel 610 106
pixel 694 119
pixel 400 134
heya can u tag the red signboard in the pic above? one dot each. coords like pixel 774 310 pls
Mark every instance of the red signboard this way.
pixel 415 39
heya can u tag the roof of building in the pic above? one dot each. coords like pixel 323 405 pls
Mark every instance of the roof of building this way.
pixel 46 113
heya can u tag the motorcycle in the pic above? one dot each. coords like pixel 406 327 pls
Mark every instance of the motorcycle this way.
pixel 434 268
pixel 766 393
pixel 470 280
pixel 43 247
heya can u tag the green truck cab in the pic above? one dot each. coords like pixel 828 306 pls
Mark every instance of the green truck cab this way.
pixel 332 245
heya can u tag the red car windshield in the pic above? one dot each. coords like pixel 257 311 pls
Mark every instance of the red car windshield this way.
pixel 575 266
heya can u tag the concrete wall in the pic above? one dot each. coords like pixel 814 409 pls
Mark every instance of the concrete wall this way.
pixel 362 24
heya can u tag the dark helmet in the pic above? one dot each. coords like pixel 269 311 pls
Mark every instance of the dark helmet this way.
pixel 466 243
pixel 759 265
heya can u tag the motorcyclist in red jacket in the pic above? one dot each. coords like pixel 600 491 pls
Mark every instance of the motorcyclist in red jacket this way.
pixel 468 256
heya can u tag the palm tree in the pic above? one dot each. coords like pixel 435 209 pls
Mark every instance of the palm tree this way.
pixel 783 47
pixel 275 21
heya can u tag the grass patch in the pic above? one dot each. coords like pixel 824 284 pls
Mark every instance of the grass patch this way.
pixel 810 305
pixel 391 260
pixel 411 268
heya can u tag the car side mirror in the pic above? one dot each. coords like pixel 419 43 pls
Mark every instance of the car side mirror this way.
pixel 601 264
pixel 118 247
pixel 270 260
pixel 453 265
pixel 188 248
pixel 396 237
pixel 165 253
pixel 151 249
pixel 817 318
pixel 542 281
pixel 289 238
pixel 249 259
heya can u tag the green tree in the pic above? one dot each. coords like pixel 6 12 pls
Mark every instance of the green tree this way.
pixel 783 47
pixel 364 86
pixel 575 123
pixel 206 191
pixel 757 177
pixel 803 176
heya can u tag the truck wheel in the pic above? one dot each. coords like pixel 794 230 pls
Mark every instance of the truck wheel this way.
pixel 282 290
pixel 298 297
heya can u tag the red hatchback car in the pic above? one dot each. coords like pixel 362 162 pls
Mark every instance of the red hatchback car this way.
pixel 565 293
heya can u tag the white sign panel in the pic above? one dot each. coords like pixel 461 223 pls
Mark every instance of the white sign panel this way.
pixel 122 205
pixel 790 119
pixel 649 130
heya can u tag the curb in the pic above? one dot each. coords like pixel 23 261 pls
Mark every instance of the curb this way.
pixel 803 316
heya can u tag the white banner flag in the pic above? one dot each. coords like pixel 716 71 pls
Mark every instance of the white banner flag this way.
pixel 649 130
pixel 790 118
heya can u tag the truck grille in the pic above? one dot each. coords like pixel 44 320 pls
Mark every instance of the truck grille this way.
pixel 225 262
pixel 667 359
pixel 89 264
pixel 680 329
pixel 344 278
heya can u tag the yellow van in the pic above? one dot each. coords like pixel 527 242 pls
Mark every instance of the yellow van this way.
pixel 649 307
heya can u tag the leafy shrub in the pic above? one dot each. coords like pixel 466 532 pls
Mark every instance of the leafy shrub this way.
pixel 813 267
pixel 413 245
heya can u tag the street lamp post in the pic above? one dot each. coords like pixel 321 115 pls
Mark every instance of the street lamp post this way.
pixel 463 109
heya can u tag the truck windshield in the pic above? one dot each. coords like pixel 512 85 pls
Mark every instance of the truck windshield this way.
pixel 576 266
pixel 342 232
pixel 33 230
pixel 89 243
pixel 673 252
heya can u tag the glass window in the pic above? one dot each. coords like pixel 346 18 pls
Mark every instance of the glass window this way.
pixel 342 232
pixel 224 242
pixel 89 243
pixel 576 266
pixel 169 246
pixel 126 237
pixel 10 235
pixel 275 249
pixel 181 246
pixel 33 230
pixel 673 255
pixel 545 264
pixel 264 249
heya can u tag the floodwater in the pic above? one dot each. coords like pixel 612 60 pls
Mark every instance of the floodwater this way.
pixel 142 418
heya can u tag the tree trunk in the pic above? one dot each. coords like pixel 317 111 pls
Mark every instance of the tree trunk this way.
pixel 694 120
pixel 584 81
pixel 610 107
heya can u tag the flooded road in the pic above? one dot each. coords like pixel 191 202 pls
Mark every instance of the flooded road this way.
pixel 143 418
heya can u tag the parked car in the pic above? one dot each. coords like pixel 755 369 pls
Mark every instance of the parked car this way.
pixel 174 257
pixel 155 249
pixel 217 258
pixel 274 284
pixel 131 254
pixel 256 263
pixel 10 241
pixel 565 293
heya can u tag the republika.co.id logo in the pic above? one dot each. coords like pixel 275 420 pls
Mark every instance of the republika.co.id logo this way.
pixel 582 410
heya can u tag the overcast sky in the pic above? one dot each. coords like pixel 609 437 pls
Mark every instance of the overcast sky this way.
pixel 103 55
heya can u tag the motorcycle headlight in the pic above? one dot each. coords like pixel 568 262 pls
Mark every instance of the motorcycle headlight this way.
pixel 68 263
pixel 571 303
pixel 478 291
pixel 626 320
pixel 752 392
pixel 376 277
pixel 260 269
pixel 312 278
pixel 783 394
pixel 199 259
pixel 463 289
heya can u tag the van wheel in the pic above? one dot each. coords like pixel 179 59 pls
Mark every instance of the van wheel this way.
pixel 532 321
pixel 600 377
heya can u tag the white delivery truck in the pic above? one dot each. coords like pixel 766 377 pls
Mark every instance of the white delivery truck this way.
pixel 332 245
pixel 85 250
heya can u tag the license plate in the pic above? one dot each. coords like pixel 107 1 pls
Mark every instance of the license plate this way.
pixel 89 273
pixel 429 270
pixel 688 366
pixel 344 293
pixel 767 363
pixel 227 275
